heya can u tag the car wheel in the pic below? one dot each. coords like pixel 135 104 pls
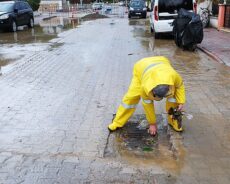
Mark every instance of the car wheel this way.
pixel 31 23
pixel 157 35
pixel 13 27
pixel 151 29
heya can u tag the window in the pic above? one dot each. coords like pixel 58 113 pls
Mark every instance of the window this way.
pixel 22 6
pixel 6 7
pixel 136 4
pixel 171 5
pixel 17 6
pixel 27 6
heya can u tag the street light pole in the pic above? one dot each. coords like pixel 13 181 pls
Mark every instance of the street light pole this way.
pixel 81 3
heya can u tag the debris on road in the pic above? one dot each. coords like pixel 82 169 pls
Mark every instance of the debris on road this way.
pixel 93 16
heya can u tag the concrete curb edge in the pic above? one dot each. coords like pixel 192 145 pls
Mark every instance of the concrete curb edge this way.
pixel 47 18
pixel 213 56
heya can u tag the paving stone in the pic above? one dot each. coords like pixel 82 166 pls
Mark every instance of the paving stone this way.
pixel 50 173
pixel 218 49
pixel 46 181
pixel 39 167
pixel 73 159
pixel 128 171
pixel 222 178
pixel 56 105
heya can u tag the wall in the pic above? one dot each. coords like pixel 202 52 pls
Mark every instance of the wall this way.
pixel 58 2
pixel 213 22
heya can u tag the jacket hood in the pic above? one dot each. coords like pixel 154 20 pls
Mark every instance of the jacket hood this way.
pixel 164 74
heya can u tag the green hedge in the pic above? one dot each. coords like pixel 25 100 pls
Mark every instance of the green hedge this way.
pixel 34 4
pixel 222 2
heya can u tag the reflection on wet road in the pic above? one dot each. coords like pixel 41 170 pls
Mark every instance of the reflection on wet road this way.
pixel 207 84
pixel 16 45
pixel 57 104
pixel 42 33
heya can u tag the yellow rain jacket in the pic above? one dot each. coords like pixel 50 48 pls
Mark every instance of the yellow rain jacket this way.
pixel 147 74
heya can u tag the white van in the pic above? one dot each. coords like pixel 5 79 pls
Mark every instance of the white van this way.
pixel 165 11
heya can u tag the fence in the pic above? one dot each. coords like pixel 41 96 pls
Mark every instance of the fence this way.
pixel 55 7
pixel 73 9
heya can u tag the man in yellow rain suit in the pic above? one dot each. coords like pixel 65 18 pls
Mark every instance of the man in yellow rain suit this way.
pixel 153 79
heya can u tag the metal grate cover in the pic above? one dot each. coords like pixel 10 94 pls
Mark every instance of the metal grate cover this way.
pixel 136 137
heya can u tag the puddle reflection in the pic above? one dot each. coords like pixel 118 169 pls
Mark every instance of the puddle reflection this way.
pixel 58 24
pixel 45 31
pixel 15 45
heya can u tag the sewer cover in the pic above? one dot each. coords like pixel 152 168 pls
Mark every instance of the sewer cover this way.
pixel 134 135
pixel 134 144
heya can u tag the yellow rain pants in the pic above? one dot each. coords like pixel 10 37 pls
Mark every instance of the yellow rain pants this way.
pixel 147 74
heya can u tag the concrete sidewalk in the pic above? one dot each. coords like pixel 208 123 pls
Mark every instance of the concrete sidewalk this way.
pixel 217 45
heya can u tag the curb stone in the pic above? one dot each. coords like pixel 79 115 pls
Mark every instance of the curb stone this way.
pixel 210 54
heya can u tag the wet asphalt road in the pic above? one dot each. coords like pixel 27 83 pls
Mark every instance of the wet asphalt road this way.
pixel 58 93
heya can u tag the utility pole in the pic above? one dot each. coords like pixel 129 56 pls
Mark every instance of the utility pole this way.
pixel 81 3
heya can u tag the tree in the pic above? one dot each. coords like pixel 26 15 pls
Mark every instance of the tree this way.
pixel 34 4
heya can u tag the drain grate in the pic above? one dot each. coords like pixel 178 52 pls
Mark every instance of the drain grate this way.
pixel 134 135
pixel 134 144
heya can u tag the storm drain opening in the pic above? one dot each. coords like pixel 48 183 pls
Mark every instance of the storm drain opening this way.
pixel 134 139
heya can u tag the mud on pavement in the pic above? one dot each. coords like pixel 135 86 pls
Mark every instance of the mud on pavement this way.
pixel 134 145
pixel 56 105
pixel 93 16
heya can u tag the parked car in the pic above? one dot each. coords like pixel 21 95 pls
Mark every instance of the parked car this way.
pixel 97 6
pixel 14 14
pixel 165 11
pixel 107 8
pixel 121 3
pixel 137 8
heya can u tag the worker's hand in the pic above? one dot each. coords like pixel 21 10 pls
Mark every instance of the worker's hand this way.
pixel 180 107
pixel 153 129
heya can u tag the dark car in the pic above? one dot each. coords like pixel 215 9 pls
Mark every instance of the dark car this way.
pixel 14 14
pixel 137 8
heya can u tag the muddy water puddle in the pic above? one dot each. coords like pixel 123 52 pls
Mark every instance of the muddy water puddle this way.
pixel 133 144
pixel 42 33
pixel 204 150
pixel 192 65
pixel 25 40
pixel 141 31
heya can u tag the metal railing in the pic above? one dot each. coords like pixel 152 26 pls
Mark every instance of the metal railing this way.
pixel 65 10
pixel 72 10
pixel 55 7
